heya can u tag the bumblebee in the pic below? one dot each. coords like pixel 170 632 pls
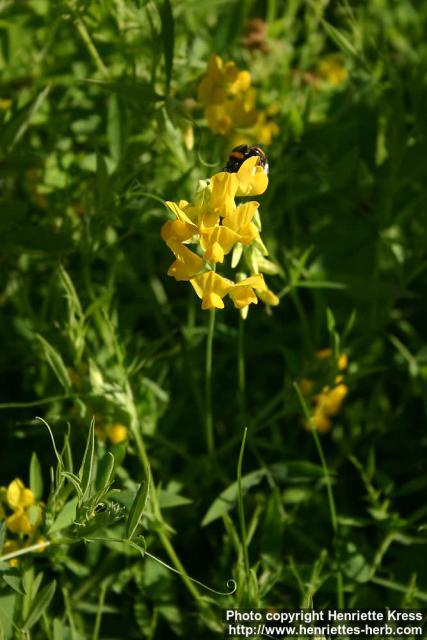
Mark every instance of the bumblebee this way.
pixel 242 153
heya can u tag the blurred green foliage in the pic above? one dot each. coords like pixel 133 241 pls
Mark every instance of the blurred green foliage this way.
pixel 96 101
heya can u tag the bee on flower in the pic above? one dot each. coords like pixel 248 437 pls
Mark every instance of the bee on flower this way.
pixel 218 227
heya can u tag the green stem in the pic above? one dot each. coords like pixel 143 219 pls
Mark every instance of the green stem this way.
pixel 242 521
pixel 327 476
pixel 241 368
pixel 208 383
pixel 93 52
pixel 34 548
pixel 101 601
pixel 166 543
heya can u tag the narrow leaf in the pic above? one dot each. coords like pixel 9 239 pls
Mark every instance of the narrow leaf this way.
pixel 138 507
pixel 40 604
pixel 105 472
pixel 88 462
pixel 36 478
pixel 15 583
pixel 339 38
pixel 56 362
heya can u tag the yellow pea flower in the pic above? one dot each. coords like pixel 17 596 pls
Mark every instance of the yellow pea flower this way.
pixel 181 229
pixel 187 263
pixel 217 242
pixel 211 289
pixel 18 496
pixel 251 177
pixel 218 119
pixel 221 80
pixel 240 221
pixel 243 294
pixel 223 191
pixel 268 297
pixel 19 522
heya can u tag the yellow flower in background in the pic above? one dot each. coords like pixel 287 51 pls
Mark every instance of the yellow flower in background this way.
pixel 229 103
pixel 116 433
pixel 332 71
pixel 216 225
pixel 221 80
pixel 327 403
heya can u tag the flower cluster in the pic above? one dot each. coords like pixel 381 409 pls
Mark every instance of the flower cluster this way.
pixel 219 226
pixel 327 403
pixel 229 103
pixel 21 512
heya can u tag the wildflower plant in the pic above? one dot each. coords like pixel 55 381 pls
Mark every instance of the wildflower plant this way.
pixel 215 227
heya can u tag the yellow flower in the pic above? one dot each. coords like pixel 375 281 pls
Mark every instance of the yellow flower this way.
pixel 342 362
pixel 223 187
pixel 251 177
pixel 241 110
pixel 269 298
pixel 217 242
pixel 218 119
pixel 330 400
pixel 265 129
pixel 243 294
pixel 211 289
pixel 332 71
pixel 187 263
pixel 181 229
pixel 116 433
pixel 18 497
pixel 240 221
pixel 321 422
pixel 221 80
pixel 19 522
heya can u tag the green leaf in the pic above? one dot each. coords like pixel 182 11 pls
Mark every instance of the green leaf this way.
pixel 40 604
pixel 71 477
pixel 15 583
pixel 168 37
pixel 105 472
pixel 65 517
pixel 339 38
pixel 88 462
pixel 227 499
pixel 102 181
pixel 58 629
pixel 2 535
pixel 36 478
pixel 138 507
pixel 56 362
